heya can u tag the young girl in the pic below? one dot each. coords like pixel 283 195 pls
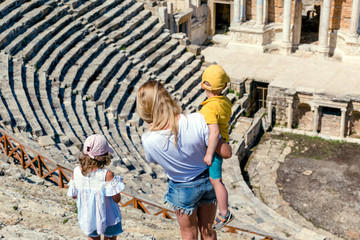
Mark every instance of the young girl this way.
pixel 97 191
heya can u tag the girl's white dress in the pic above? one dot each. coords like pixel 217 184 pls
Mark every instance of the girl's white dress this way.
pixel 96 208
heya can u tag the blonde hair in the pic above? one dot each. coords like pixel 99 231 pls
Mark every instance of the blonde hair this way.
pixel 156 107
pixel 87 163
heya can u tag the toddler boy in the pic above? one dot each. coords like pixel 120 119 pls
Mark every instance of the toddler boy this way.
pixel 217 111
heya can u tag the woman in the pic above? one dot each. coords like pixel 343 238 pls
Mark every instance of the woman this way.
pixel 178 143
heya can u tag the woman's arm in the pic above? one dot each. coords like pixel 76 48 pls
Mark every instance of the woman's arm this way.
pixel 109 176
pixel 224 149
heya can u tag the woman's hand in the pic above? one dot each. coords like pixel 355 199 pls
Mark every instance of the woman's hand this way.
pixel 224 149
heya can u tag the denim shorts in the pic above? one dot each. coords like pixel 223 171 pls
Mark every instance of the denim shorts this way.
pixel 187 196
pixel 110 231
pixel 215 169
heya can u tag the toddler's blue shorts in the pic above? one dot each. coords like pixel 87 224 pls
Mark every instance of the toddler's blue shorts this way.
pixel 187 196
pixel 215 169
pixel 110 231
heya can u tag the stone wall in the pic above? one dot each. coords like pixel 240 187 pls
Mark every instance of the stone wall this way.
pixel 340 14
pixel 277 96
pixel 354 124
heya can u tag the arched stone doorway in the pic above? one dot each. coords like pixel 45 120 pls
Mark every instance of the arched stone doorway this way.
pixel 303 117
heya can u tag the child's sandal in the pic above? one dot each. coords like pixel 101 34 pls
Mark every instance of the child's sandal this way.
pixel 220 221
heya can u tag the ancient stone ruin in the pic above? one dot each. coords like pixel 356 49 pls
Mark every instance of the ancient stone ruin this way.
pixel 71 68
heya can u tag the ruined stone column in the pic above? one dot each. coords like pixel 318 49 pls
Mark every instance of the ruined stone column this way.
pixel 163 16
pixel 236 11
pixel 342 124
pixel 354 18
pixel 316 120
pixel 170 12
pixel 259 12
pixel 266 10
pixel 242 10
pixel 286 44
pixel 289 101
pixel 269 105
pixel 323 47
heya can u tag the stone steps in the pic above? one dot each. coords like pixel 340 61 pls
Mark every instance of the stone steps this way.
pixel 112 87
pixel 26 21
pixel 51 62
pixel 70 78
pixel 112 13
pixel 175 68
pixel 123 129
pixel 153 46
pixel 81 115
pixel 72 56
pixel 190 84
pixel 95 67
pixel 33 100
pixel 125 87
pixel 181 78
pixel 127 106
pixel 21 40
pixel 13 10
pixel 196 100
pixel 113 138
pixel 145 39
pixel 96 12
pixel 54 42
pixel 8 95
pixel 8 6
pixel 18 68
pixel 165 61
pixel 43 38
pixel 159 53
pixel 105 75
pixel 146 26
pixel 62 117
pixel 118 22
pixel 86 7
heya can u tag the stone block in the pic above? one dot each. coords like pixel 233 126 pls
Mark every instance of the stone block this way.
pixel 194 49
pixel 65 140
pixel 45 141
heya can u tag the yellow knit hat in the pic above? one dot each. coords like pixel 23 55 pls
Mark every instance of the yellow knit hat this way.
pixel 216 77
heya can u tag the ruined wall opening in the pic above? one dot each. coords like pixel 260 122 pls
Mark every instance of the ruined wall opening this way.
pixel 183 27
pixel 355 124
pixel 330 119
pixel 303 117
pixel 310 24
pixel 261 94
pixel 222 18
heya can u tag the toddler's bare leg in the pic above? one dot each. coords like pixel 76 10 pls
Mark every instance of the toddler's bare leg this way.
pixel 221 195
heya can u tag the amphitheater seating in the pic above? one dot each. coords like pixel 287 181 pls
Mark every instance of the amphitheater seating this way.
pixel 75 67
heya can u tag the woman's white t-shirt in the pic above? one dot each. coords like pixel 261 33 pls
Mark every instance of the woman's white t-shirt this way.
pixel 183 162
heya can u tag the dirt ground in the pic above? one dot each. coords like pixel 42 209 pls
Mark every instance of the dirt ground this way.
pixel 321 180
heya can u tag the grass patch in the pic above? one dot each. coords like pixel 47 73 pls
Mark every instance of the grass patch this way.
pixel 65 220
pixel 311 147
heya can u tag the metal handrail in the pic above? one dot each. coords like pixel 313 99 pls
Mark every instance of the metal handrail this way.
pixel 48 169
